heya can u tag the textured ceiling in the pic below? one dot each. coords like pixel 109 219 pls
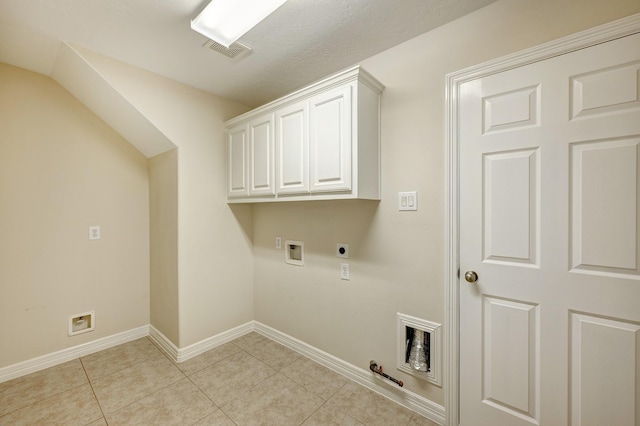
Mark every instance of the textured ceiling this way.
pixel 302 41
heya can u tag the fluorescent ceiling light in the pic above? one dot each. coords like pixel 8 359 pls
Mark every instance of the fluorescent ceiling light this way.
pixel 225 21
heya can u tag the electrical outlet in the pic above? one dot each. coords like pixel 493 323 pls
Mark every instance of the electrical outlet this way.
pixel 94 232
pixel 342 250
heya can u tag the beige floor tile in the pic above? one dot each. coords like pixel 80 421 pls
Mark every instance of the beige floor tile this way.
pixel 26 390
pixel 208 358
pixel 217 418
pixel 181 403
pixel 314 377
pixel 418 420
pixel 229 378
pixel 118 358
pixel 368 407
pixel 325 416
pixel 77 406
pixel 120 389
pixel 99 422
pixel 250 340
pixel 273 354
pixel 277 401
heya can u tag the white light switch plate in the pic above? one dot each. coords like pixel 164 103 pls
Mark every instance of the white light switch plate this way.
pixel 408 201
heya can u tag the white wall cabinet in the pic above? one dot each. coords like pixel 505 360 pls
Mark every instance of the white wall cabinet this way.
pixel 321 142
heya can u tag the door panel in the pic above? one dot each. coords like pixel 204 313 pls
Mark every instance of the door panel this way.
pixel 512 110
pixel 511 216
pixel 609 90
pixel 604 352
pixel 510 369
pixel 604 219
pixel 549 221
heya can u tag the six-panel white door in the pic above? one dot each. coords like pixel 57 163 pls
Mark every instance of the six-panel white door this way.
pixel 549 221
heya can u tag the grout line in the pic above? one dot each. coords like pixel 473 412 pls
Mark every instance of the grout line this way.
pixel 325 401
pixel 93 391
pixel 208 397
pixel 47 396
pixel 160 354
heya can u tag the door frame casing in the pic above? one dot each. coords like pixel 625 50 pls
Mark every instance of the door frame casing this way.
pixel 600 34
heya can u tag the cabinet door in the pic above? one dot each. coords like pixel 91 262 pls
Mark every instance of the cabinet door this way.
pixel 292 135
pixel 330 140
pixel 237 161
pixel 261 156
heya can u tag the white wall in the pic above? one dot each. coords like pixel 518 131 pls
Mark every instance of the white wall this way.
pixel 163 218
pixel 62 169
pixel 397 262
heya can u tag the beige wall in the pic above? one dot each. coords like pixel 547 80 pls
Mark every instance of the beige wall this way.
pixel 397 262
pixel 163 217
pixel 214 256
pixel 69 170
pixel 61 170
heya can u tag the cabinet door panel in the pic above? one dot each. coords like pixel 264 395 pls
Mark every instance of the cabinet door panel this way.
pixel 261 167
pixel 293 149
pixel 330 140
pixel 236 165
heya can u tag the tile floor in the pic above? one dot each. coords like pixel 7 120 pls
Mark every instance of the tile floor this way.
pixel 249 381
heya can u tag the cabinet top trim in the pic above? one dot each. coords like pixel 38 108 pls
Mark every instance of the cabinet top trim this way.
pixel 355 73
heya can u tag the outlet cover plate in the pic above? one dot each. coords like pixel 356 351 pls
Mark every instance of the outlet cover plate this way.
pixel 344 272
pixel 342 250
pixel 94 232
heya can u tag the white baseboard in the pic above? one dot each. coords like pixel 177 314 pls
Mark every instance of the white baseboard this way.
pixel 423 406
pixel 164 343
pixel 183 354
pixel 64 355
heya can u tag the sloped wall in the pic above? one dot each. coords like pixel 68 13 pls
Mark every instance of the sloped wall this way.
pixel 214 252
pixel 63 169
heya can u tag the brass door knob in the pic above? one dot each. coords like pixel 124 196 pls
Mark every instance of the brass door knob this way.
pixel 471 276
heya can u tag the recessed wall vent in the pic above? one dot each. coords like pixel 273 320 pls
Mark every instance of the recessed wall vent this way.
pixel 427 364
pixel 234 51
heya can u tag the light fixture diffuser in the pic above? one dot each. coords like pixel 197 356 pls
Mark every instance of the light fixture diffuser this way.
pixel 225 21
